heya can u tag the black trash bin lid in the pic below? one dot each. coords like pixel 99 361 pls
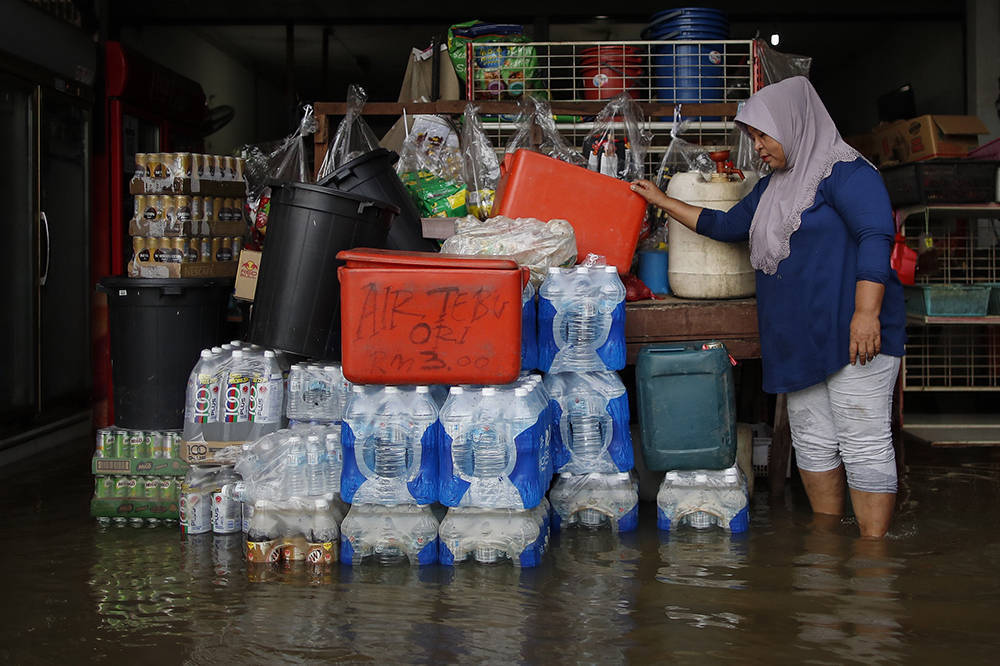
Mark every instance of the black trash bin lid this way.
pixel 339 172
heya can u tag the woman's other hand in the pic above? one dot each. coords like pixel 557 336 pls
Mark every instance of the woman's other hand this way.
pixel 866 337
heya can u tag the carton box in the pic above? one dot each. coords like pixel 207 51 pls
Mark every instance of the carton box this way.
pixel 214 188
pixel 205 452
pixel 133 508
pixel 927 137
pixel 195 228
pixel 166 269
pixel 139 466
pixel 246 275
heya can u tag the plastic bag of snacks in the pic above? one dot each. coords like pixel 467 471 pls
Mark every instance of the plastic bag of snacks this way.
pixel 533 111
pixel 353 137
pixel 480 165
pixel 617 144
pixel 499 71
pixel 283 160
pixel 430 165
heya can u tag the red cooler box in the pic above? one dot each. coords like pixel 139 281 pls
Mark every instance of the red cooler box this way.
pixel 428 318
pixel 604 211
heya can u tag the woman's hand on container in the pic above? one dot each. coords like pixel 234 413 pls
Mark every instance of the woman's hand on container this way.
pixel 650 193
pixel 684 213
pixel 866 337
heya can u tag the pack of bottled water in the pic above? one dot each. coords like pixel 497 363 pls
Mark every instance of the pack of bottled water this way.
pixel 389 535
pixel 488 536
pixel 581 320
pixel 592 423
pixel 703 499
pixel 235 393
pixel 595 500
pixel 317 393
pixel 529 328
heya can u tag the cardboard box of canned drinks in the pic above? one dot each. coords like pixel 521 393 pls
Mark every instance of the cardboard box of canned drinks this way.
pixel 137 474
pixel 188 173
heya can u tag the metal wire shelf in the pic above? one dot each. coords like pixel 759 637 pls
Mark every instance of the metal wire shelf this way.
pixel 959 248
pixel 948 357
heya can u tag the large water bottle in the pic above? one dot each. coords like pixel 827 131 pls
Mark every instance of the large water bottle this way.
pixel 595 500
pixel 389 535
pixel 317 466
pixel 592 434
pixel 703 499
pixel 235 398
pixel 266 396
pixel 324 534
pixel 296 483
pixel 334 460
pixel 200 406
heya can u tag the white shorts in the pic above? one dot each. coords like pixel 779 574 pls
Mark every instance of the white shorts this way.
pixel 847 420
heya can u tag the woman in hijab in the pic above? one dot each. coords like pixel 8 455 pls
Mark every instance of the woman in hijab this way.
pixel 829 307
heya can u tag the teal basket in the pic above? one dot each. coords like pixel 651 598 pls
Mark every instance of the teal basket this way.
pixel 994 306
pixel 947 300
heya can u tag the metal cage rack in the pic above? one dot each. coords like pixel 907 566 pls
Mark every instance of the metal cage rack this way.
pixel 948 357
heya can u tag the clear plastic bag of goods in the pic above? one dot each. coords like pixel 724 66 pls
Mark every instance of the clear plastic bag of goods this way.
pixel 534 119
pixel 195 501
pixel 284 161
pixel 294 530
pixel 234 395
pixel 302 463
pixel 390 441
pixel 532 243
pixel 704 499
pixel 353 137
pixel 490 536
pixel 430 165
pixel 618 142
pixel 581 320
pixel 316 392
pixel 592 431
pixel 595 500
pixel 491 449
pixel 480 166
pixel 389 535
pixel 778 66
pixel 682 155
pixel 502 71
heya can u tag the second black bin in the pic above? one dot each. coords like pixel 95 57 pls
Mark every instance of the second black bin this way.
pixel 297 303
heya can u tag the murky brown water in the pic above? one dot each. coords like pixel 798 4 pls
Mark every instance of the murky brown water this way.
pixel 787 591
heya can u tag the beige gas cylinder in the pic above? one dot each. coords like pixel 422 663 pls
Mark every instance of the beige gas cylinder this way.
pixel 699 267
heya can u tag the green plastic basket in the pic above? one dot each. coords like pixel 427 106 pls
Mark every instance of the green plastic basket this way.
pixel 948 300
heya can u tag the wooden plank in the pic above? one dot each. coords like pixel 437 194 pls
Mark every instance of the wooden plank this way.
pixel 673 318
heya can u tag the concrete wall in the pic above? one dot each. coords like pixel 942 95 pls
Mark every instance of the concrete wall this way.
pixel 258 102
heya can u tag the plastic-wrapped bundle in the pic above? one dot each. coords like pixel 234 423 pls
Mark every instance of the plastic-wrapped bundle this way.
pixel 592 430
pixel 390 441
pixel 492 535
pixel 389 534
pixel 317 392
pixel 529 328
pixel 293 530
pixel 703 498
pixel 581 320
pixel 594 500
pixel 490 449
pixel 301 463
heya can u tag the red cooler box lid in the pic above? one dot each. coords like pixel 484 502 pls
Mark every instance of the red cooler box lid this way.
pixel 428 318
pixel 605 213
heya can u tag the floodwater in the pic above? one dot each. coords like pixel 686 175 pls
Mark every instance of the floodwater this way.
pixel 788 591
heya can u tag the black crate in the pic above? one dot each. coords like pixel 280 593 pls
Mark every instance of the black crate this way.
pixel 942 181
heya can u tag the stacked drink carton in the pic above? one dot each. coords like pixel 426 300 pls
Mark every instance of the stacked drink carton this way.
pixel 581 343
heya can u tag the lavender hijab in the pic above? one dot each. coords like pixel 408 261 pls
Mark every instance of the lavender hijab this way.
pixel 792 113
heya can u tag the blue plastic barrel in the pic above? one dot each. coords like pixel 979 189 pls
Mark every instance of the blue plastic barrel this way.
pixel 688 73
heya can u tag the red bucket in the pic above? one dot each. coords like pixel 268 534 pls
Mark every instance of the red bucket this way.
pixel 610 70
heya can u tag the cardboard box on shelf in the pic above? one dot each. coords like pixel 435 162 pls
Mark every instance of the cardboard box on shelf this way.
pixel 164 269
pixel 246 275
pixel 187 186
pixel 927 137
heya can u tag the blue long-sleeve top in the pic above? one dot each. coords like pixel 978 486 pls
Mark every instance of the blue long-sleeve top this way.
pixel 804 310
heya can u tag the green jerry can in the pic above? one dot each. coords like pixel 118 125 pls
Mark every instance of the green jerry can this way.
pixel 687 406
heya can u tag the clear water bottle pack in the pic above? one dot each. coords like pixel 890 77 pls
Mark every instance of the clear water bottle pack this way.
pixel 304 462
pixel 704 499
pixel 235 394
pixel 592 417
pixel 581 320
pixel 489 536
pixel 594 500
pixel 390 442
pixel 317 392
pixel 491 447
pixel 529 328
pixel 389 535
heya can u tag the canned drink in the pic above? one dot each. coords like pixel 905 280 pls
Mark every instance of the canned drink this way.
pixel 216 248
pixel 121 487
pixel 134 443
pixel 240 167
pixel 238 208
pixel 205 249
pixel 220 167
pixel 228 209
pixel 174 445
pixel 197 209
pixel 225 251
pixel 147 445
pixel 208 209
pixel 227 514
pixel 173 226
pixel 222 213
pixel 177 249
pixel 105 443
pixel 151 488
pixel 104 487
pixel 199 166
pixel 156 205
pixel 192 250
pixel 160 248
pixel 157 166
pixel 120 447
pixel 139 206
pixel 195 509
pixel 140 248
pixel 168 489
pixel 182 165
pixel 237 243
pixel 135 487
pixel 141 164
pixel 183 205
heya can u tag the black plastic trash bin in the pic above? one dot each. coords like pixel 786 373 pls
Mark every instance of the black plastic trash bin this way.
pixel 373 175
pixel 296 306
pixel 158 328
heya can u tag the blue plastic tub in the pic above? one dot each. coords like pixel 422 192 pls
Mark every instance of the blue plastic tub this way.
pixel 689 72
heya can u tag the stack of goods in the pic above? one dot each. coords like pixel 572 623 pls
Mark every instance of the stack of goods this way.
pixel 390 439
pixel 188 215
pixel 581 342
pixel 496 466
pixel 137 476
pixel 235 394
pixel 704 498
pixel 317 392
